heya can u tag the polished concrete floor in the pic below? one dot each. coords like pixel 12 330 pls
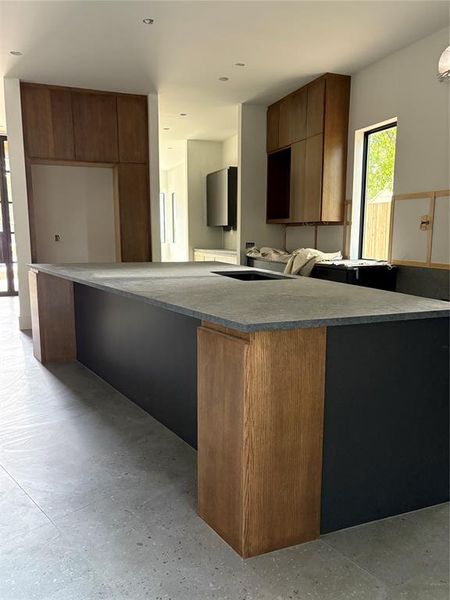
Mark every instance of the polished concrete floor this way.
pixel 97 501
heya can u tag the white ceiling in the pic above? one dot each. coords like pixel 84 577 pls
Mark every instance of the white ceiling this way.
pixel 105 45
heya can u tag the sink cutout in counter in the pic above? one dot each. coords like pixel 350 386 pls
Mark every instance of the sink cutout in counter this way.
pixel 250 275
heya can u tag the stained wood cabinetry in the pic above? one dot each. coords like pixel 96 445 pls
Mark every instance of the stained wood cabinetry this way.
pixel 74 126
pixel 307 149
pixel 47 122
pixel 259 433
pixel 95 127
pixel 134 212
pixel 133 128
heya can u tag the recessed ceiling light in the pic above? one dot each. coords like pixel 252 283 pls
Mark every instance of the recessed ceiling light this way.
pixel 169 147
pixel 166 128
pixel 239 64
pixel 183 114
pixel 16 52
pixel 224 79
pixel 148 21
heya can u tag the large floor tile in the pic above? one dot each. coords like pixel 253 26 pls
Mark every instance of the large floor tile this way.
pixel 38 565
pixel 18 513
pixel 400 549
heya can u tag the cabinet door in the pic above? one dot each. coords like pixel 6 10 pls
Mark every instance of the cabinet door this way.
pixel 316 107
pixel 95 126
pixel 298 115
pixel 285 122
pixel 133 128
pixel 273 121
pixel 47 122
pixel 134 213
pixel 298 171
pixel 313 179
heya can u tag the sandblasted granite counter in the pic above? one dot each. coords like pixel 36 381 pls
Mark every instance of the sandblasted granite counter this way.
pixel 195 290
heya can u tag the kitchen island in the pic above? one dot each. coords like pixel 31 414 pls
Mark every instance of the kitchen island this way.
pixel 314 405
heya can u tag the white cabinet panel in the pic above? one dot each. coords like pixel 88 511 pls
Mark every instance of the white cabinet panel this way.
pixel 440 248
pixel 409 242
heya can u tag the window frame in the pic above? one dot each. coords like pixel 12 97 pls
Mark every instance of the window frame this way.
pixel 5 203
pixel 367 134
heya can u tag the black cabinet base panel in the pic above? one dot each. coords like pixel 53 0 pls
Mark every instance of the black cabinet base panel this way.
pixel 147 353
pixel 386 430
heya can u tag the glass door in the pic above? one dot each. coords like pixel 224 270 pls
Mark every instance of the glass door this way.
pixel 8 258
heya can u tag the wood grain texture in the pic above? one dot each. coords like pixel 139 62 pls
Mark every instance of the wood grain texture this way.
pixel 134 210
pixel 222 362
pixel 52 318
pixel 273 120
pixel 298 181
pixel 285 122
pixel 260 436
pixel 133 128
pixel 298 115
pixel 47 122
pixel 312 206
pixel 292 118
pixel 316 107
pixel 337 102
pixel 95 127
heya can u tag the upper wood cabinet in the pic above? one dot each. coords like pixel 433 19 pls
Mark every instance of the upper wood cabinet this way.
pixel 95 127
pixel 77 126
pixel 47 122
pixel 133 128
pixel 273 122
pixel 312 131
pixel 316 107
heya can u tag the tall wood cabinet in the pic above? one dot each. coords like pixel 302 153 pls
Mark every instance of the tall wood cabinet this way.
pixel 76 126
pixel 307 153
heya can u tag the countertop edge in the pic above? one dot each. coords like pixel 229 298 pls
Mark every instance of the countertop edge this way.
pixel 255 327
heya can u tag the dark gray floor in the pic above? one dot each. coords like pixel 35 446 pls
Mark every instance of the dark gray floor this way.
pixel 97 500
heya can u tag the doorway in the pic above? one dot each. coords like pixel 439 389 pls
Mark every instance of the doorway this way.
pixel 8 257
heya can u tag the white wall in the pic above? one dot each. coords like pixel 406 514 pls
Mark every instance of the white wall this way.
pixel 19 195
pixel 404 85
pixel 230 159
pixel 76 203
pixel 252 171
pixel 174 181
pixel 203 157
pixel 153 142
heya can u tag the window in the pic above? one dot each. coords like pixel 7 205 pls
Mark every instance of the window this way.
pixel 377 189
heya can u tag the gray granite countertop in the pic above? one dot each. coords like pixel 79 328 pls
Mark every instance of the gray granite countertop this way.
pixel 194 289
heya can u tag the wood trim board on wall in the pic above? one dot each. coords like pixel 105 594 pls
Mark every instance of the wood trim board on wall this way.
pixel 430 231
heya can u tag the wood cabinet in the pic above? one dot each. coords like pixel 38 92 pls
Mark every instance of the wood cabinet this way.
pixel 134 210
pixel 292 119
pixel 76 126
pixel 273 121
pixel 133 128
pixel 47 122
pixel 316 107
pixel 306 170
pixel 95 127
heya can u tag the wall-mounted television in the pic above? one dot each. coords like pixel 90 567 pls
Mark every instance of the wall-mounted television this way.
pixel 221 198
